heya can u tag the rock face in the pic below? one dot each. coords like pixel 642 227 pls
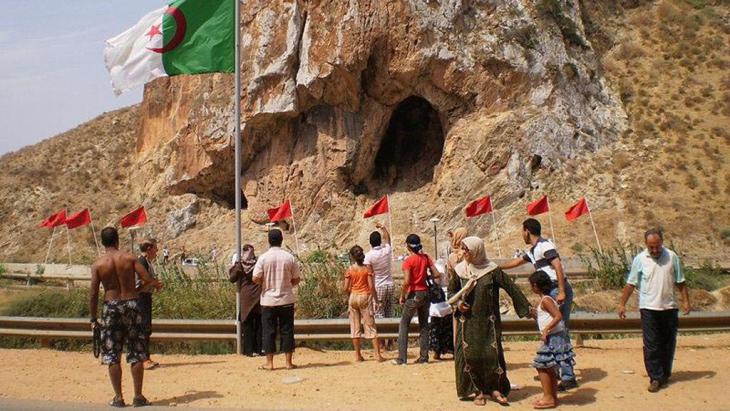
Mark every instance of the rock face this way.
pixel 428 101
pixel 180 220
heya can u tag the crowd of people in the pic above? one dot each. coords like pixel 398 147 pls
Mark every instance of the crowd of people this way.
pixel 464 320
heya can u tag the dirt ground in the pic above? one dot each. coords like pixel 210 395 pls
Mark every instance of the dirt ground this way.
pixel 610 373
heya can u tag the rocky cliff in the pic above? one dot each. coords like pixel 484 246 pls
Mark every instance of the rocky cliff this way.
pixel 430 102
pixel 436 103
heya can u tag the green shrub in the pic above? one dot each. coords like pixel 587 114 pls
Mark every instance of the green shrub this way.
pixel 51 303
pixel 724 234
pixel 610 267
pixel 207 296
pixel 320 293
pixel 2 269
pixel 706 277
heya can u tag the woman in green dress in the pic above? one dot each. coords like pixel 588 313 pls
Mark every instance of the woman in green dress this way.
pixel 474 291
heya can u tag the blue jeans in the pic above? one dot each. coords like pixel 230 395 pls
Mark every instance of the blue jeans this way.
pixel 566 370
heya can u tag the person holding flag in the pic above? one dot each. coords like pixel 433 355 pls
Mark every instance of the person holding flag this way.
pixel 544 257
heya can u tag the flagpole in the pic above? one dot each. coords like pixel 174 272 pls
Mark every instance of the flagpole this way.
pixel 48 253
pixel 390 227
pixel 496 235
pixel 294 225
pixel 550 219
pixel 93 231
pixel 237 139
pixel 595 233
pixel 68 238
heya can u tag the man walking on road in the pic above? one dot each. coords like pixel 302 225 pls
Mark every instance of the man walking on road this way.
pixel 278 273
pixel 121 316
pixel 656 271
pixel 544 257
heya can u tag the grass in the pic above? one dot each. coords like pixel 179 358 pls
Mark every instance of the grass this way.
pixel 610 267
pixel 707 277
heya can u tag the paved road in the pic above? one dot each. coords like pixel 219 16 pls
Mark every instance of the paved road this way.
pixel 7 404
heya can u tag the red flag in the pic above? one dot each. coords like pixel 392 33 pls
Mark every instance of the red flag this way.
pixel 578 209
pixel 380 207
pixel 136 217
pixel 54 220
pixel 280 213
pixel 479 207
pixel 79 219
pixel 538 206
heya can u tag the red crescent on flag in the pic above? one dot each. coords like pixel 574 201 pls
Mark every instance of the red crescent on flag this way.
pixel 179 36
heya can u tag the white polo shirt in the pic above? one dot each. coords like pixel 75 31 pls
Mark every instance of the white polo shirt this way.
pixel 655 279
pixel 277 268
pixel 379 258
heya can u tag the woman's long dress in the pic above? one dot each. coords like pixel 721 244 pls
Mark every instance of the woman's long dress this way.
pixel 479 358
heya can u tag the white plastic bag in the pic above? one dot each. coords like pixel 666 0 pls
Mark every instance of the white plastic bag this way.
pixel 441 309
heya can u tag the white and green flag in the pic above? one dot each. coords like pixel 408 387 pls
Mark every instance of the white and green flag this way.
pixel 187 37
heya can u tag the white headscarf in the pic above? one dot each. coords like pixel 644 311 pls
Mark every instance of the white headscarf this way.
pixel 478 267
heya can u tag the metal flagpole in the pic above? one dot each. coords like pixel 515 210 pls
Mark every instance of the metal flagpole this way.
pixel 93 231
pixel 595 233
pixel 237 138
pixel 294 225
pixel 48 253
pixel 550 219
pixel 68 239
pixel 496 235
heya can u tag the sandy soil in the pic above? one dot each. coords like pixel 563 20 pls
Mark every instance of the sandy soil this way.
pixel 610 372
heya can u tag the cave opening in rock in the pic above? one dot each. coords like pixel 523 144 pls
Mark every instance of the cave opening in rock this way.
pixel 411 147
pixel 227 198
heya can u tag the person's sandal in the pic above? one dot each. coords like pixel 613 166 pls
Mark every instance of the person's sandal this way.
pixel 141 402
pixel 117 403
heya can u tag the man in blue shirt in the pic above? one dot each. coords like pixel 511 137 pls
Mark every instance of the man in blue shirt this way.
pixel 656 271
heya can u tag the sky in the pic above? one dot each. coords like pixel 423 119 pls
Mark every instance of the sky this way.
pixel 52 74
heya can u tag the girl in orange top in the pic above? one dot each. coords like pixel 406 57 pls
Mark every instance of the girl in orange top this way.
pixel 359 284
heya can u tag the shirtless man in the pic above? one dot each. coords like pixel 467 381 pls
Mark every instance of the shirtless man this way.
pixel 121 316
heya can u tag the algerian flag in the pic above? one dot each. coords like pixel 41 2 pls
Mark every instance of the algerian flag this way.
pixel 187 37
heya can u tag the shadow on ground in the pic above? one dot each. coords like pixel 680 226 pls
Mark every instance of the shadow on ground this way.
pixel 189 397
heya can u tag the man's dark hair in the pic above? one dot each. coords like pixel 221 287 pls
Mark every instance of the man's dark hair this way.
pixel 109 237
pixel 533 226
pixel 276 238
pixel 147 244
pixel 375 239
pixel 654 231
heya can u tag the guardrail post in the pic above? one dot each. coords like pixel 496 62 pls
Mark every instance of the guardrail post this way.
pixel 578 339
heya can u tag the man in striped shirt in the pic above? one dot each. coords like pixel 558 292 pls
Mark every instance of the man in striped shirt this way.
pixel 544 257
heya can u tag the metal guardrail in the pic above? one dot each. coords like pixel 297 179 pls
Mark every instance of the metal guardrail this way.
pixel 339 329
